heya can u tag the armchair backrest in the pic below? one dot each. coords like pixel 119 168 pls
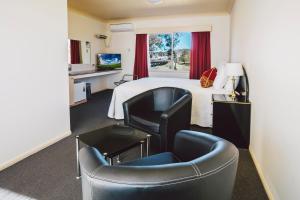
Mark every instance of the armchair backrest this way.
pixel 189 146
pixel 165 97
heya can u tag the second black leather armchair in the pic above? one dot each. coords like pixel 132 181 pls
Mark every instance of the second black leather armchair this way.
pixel 161 112
pixel 201 167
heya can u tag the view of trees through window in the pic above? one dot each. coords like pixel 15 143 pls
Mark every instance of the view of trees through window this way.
pixel 170 51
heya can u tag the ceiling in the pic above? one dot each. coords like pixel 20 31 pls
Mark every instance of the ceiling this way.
pixel 122 9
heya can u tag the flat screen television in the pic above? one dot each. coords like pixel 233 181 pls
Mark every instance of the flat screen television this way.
pixel 109 61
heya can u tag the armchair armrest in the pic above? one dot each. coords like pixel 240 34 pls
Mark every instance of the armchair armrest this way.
pixel 137 103
pixel 134 77
pixel 177 117
pixel 90 158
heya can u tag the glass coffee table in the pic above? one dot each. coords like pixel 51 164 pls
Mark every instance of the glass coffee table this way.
pixel 113 140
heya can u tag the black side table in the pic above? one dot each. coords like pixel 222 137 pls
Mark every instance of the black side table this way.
pixel 231 119
pixel 113 140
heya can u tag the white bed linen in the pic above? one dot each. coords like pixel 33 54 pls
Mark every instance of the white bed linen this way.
pixel 201 104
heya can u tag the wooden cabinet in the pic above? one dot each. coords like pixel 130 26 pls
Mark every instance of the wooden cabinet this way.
pixel 231 119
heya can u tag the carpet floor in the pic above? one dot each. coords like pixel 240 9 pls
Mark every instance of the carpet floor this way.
pixel 50 173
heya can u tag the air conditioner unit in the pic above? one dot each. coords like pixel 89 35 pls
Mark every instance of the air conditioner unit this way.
pixel 125 27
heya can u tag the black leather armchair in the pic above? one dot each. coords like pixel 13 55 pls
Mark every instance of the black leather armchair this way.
pixel 161 112
pixel 201 167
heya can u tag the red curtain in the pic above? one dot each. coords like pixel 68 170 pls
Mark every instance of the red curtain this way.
pixel 141 62
pixel 75 51
pixel 200 54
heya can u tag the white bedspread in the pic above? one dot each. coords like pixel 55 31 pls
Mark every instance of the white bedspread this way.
pixel 202 97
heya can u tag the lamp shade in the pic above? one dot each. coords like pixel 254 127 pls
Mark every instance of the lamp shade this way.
pixel 234 69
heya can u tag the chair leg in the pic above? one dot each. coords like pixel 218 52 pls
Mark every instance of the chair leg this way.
pixel 142 147
pixel 110 161
pixel 148 145
pixel 77 158
pixel 118 159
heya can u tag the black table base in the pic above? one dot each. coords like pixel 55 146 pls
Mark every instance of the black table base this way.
pixel 113 140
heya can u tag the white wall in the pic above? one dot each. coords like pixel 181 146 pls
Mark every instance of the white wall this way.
pixel 84 28
pixel 125 42
pixel 34 81
pixel 265 38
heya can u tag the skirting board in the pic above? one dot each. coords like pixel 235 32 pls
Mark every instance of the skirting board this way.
pixel 33 151
pixel 261 175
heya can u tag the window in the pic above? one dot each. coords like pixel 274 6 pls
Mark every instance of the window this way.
pixel 170 51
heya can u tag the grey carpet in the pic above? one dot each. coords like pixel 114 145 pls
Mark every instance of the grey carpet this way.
pixel 50 173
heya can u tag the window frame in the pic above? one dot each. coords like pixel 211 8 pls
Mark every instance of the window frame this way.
pixel 172 54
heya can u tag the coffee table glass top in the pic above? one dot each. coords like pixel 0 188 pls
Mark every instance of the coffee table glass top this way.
pixel 114 139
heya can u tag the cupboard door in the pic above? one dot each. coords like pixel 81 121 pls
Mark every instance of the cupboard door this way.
pixel 79 92
pixel 231 121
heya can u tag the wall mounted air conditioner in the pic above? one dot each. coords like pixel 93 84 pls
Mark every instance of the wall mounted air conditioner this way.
pixel 124 27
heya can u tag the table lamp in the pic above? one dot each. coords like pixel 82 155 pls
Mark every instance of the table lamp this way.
pixel 233 70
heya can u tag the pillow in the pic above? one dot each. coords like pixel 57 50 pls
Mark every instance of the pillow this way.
pixel 229 83
pixel 221 78
pixel 208 77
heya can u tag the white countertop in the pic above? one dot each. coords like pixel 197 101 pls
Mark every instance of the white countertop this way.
pixel 91 73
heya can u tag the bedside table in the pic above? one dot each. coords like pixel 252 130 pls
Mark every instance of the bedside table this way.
pixel 231 119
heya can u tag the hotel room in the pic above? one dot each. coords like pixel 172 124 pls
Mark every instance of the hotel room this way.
pixel 149 99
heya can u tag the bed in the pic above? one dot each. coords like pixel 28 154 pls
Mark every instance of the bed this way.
pixel 202 97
